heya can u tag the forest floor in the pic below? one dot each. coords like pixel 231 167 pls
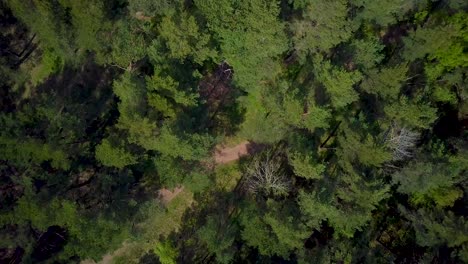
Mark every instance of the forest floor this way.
pixel 176 203
pixel 166 195
pixel 225 154
pixel 109 257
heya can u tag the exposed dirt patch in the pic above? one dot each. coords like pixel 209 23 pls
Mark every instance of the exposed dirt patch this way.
pixel 225 155
pixel 109 257
pixel 166 195
pixel 140 15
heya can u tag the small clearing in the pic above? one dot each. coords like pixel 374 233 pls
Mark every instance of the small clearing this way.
pixel 109 257
pixel 166 195
pixel 225 154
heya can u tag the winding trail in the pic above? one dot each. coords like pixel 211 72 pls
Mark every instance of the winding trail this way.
pixel 222 155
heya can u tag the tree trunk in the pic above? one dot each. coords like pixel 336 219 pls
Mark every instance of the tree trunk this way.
pixel 331 135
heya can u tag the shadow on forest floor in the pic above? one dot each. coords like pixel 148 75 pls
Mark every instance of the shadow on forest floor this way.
pixel 225 155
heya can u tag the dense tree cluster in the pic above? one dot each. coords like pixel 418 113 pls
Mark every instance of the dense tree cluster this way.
pixel 358 110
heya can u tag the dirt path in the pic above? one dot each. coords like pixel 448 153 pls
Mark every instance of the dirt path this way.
pixel 222 155
pixel 166 195
pixel 225 155
pixel 109 257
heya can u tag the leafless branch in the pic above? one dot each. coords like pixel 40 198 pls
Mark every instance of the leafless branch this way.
pixel 402 141
pixel 265 175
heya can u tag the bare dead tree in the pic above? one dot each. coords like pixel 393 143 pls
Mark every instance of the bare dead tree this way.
pixel 402 141
pixel 265 175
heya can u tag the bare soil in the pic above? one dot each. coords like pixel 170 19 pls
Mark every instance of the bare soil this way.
pixel 222 155
pixel 225 154
pixel 167 195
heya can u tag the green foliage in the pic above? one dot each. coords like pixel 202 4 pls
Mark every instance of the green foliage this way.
pixel 442 43
pixel 30 151
pixel 183 38
pixel 91 26
pixel 64 25
pixel 364 148
pixel 198 181
pixel 276 233
pixel 284 224
pixel 415 113
pixel 128 44
pixel 293 110
pixel 89 238
pixel 50 64
pixel 317 117
pixel 169 170
pixel 166 252
pixel 442 94
pixel 219 239
pixel 338 83
pixel 150 229
pixel 173 171
pixel 386 82
pixel 153 8
pixel 163 93
pixel 130 91
pixel 193 148
pixel 432 181
pixel 227 176
pixel 325 24
pixel 260 125
pixel 47 20
pixel 367 52
pixel 251 37
pixel 304 166
pixel 113 156
pixel 110 112
pixel 340 251
pixel 358 199
pixel 296 112
pixel 384 12
pixel 436 228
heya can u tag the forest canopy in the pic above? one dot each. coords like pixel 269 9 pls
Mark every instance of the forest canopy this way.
pixel 234 131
